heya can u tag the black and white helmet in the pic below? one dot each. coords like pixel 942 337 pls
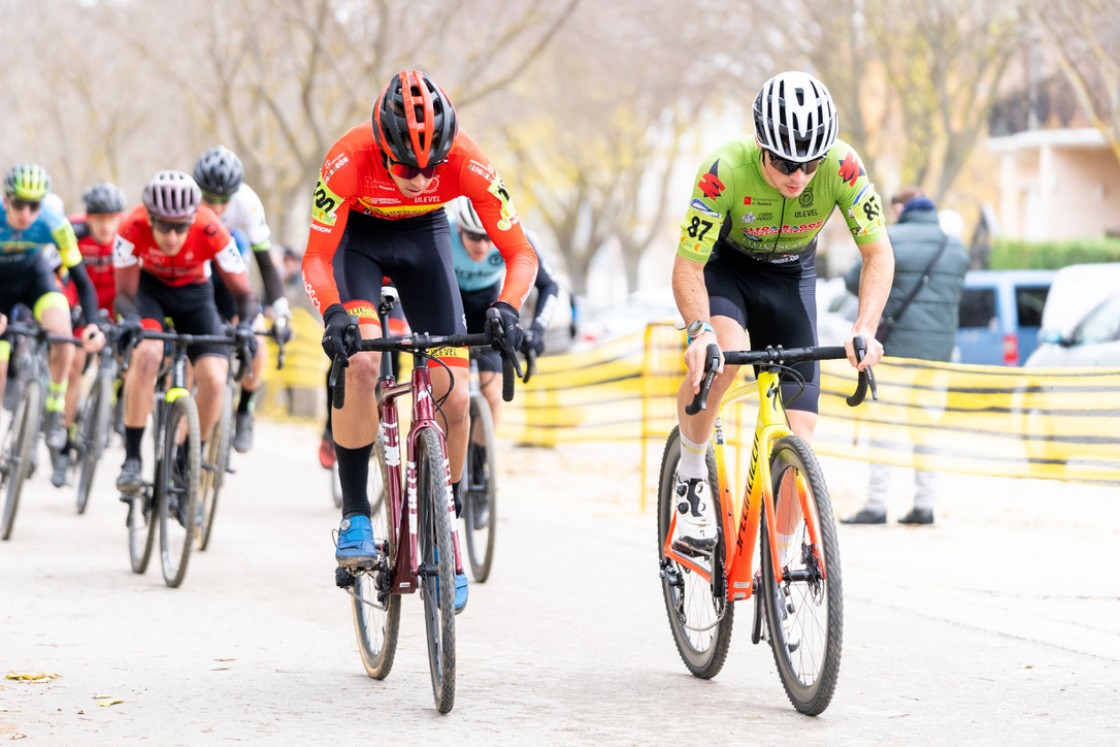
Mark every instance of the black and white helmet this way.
pixel 465 215
pixel 172 195
pixel 103 198
pixel 218 171
pixel 794 117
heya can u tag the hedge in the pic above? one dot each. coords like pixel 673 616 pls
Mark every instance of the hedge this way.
pixel 1013 254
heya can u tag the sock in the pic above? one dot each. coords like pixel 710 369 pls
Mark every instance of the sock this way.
pixel 353 473
pixel 455 489
pixel 56 397
pixel 132 438
pixel 245 404
pixel 694 462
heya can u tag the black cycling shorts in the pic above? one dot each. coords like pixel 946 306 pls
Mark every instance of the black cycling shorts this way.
pixel 189 307
pixel 415 253
pixel 26 284
pixel 776 304
pixel 475 304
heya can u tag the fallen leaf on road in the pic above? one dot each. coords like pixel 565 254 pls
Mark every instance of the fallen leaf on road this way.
pixel 225 659
pixel 221 669
pixel 106 702
pixel 31 676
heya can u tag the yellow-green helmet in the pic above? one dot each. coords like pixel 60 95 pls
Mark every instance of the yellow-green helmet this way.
pixel 28 181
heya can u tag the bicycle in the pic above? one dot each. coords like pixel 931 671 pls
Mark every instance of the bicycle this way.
pixel 173 493
pixel 798 573
pixel 18 452
pixel 216 461
pixel 480 476
pixel 420 547
pixel 91 434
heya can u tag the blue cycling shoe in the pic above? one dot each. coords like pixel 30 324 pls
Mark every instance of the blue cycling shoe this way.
pixel 461 588
pixel 355 543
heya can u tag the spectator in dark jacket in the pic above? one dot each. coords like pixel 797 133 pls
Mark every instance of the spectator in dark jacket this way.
pixel 925 329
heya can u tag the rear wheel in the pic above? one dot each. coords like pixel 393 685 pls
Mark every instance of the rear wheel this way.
pixel 19 450
pixel 177 491
pixel 92 434
pixel 479 489
pixel 804 613
pixel 437 566
pixel 377 612
pixel 700 615
pixel 215 464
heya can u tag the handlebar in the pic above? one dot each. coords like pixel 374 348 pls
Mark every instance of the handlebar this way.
pixel 779 356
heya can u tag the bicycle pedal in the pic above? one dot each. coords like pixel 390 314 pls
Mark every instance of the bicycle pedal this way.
pixel 343 578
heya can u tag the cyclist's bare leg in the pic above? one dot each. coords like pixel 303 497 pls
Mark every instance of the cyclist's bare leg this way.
pixel 140 382
pixel 355 425
pixel 253 380
pixel 491 385
pixel 802 423
pixel 56 321
pixel 210 373
pixel 74 387
pixel 453 415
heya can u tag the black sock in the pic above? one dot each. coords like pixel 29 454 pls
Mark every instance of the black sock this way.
pixel 353 473
pixel 245 404
pixel 132 437
pixel 456 487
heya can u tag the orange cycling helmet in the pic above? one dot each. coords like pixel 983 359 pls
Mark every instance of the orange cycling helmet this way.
pixel 414 122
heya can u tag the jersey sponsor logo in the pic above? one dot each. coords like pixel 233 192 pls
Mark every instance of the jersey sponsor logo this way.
pixel 509 213
pixel 760 231
pixel 332 166
pixel 747 200
pixel 851 169
pixel 748 218
pixel 710 185
pixel 449 352
pixel 362 311
pixel 325 204
pixel 122 252
pixel 701 207
pixel 482 169
pixel 806 198
pixel 229 259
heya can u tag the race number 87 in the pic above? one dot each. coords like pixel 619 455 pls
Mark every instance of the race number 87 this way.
pixel 694 227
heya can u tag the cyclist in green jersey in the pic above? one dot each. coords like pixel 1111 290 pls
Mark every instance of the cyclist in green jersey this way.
pixel 745 267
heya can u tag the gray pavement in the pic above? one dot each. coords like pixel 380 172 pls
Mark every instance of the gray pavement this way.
pixel 1001 624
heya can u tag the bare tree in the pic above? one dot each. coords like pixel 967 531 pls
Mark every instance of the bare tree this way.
pixel 1084 38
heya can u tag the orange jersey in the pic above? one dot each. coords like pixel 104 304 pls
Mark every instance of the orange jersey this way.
pixel 207 240
pixel 354 178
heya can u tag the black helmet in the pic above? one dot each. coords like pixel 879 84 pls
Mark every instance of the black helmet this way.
pixel 103 198
pixel 218 171
pixel 413 120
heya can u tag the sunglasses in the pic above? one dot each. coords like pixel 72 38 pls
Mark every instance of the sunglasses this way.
pixel 214 199
pixel 788 167
pixel 167 226
pixel 19 205
pixel 404 171
pixel 475 236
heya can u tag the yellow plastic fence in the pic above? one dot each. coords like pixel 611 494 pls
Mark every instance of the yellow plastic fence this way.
pixel 305 368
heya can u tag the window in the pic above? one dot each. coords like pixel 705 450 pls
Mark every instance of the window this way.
pixel 978 308
pixel 1029 301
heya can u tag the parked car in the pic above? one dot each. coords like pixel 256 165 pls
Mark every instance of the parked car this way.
pixel 1094 341
pixel 1001 315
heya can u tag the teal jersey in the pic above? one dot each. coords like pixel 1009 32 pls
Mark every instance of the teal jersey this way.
pixel 19 248
pixel 474 276
pixel 733 206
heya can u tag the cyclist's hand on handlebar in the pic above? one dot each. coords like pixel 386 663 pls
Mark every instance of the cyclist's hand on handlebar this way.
pixel 246 333
pixel 874 349
pixel 696 356
pixel 281 321
pixel 511 326
pixel 128 332
pixel 93 339
pixel 534 340
pixel 335 322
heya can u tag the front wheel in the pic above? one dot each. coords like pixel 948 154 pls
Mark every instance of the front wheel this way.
pixel 19 450
pixel 177 490
pixel 215 465
pixel 700 615
pixel 479 489
pixel 804 613
pixel 92 434
pixel 437 566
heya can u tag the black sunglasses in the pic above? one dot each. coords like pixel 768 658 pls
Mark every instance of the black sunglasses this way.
pixel 18 204
pixel 788 167
pixel 168 226
pixel 405 171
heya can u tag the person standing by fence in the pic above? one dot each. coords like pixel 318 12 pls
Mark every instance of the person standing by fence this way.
pixel 919 321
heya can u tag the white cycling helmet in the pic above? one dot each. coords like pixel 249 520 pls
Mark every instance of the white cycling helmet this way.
pixel 172 195
pixel 464 214
pixel 794 117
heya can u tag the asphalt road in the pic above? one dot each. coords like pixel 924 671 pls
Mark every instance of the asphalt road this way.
pixel 999 625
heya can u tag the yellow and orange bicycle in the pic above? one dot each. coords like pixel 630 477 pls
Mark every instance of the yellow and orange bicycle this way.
pixel 796 583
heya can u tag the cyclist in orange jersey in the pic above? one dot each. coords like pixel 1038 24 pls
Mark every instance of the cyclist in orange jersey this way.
pixel 378 212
